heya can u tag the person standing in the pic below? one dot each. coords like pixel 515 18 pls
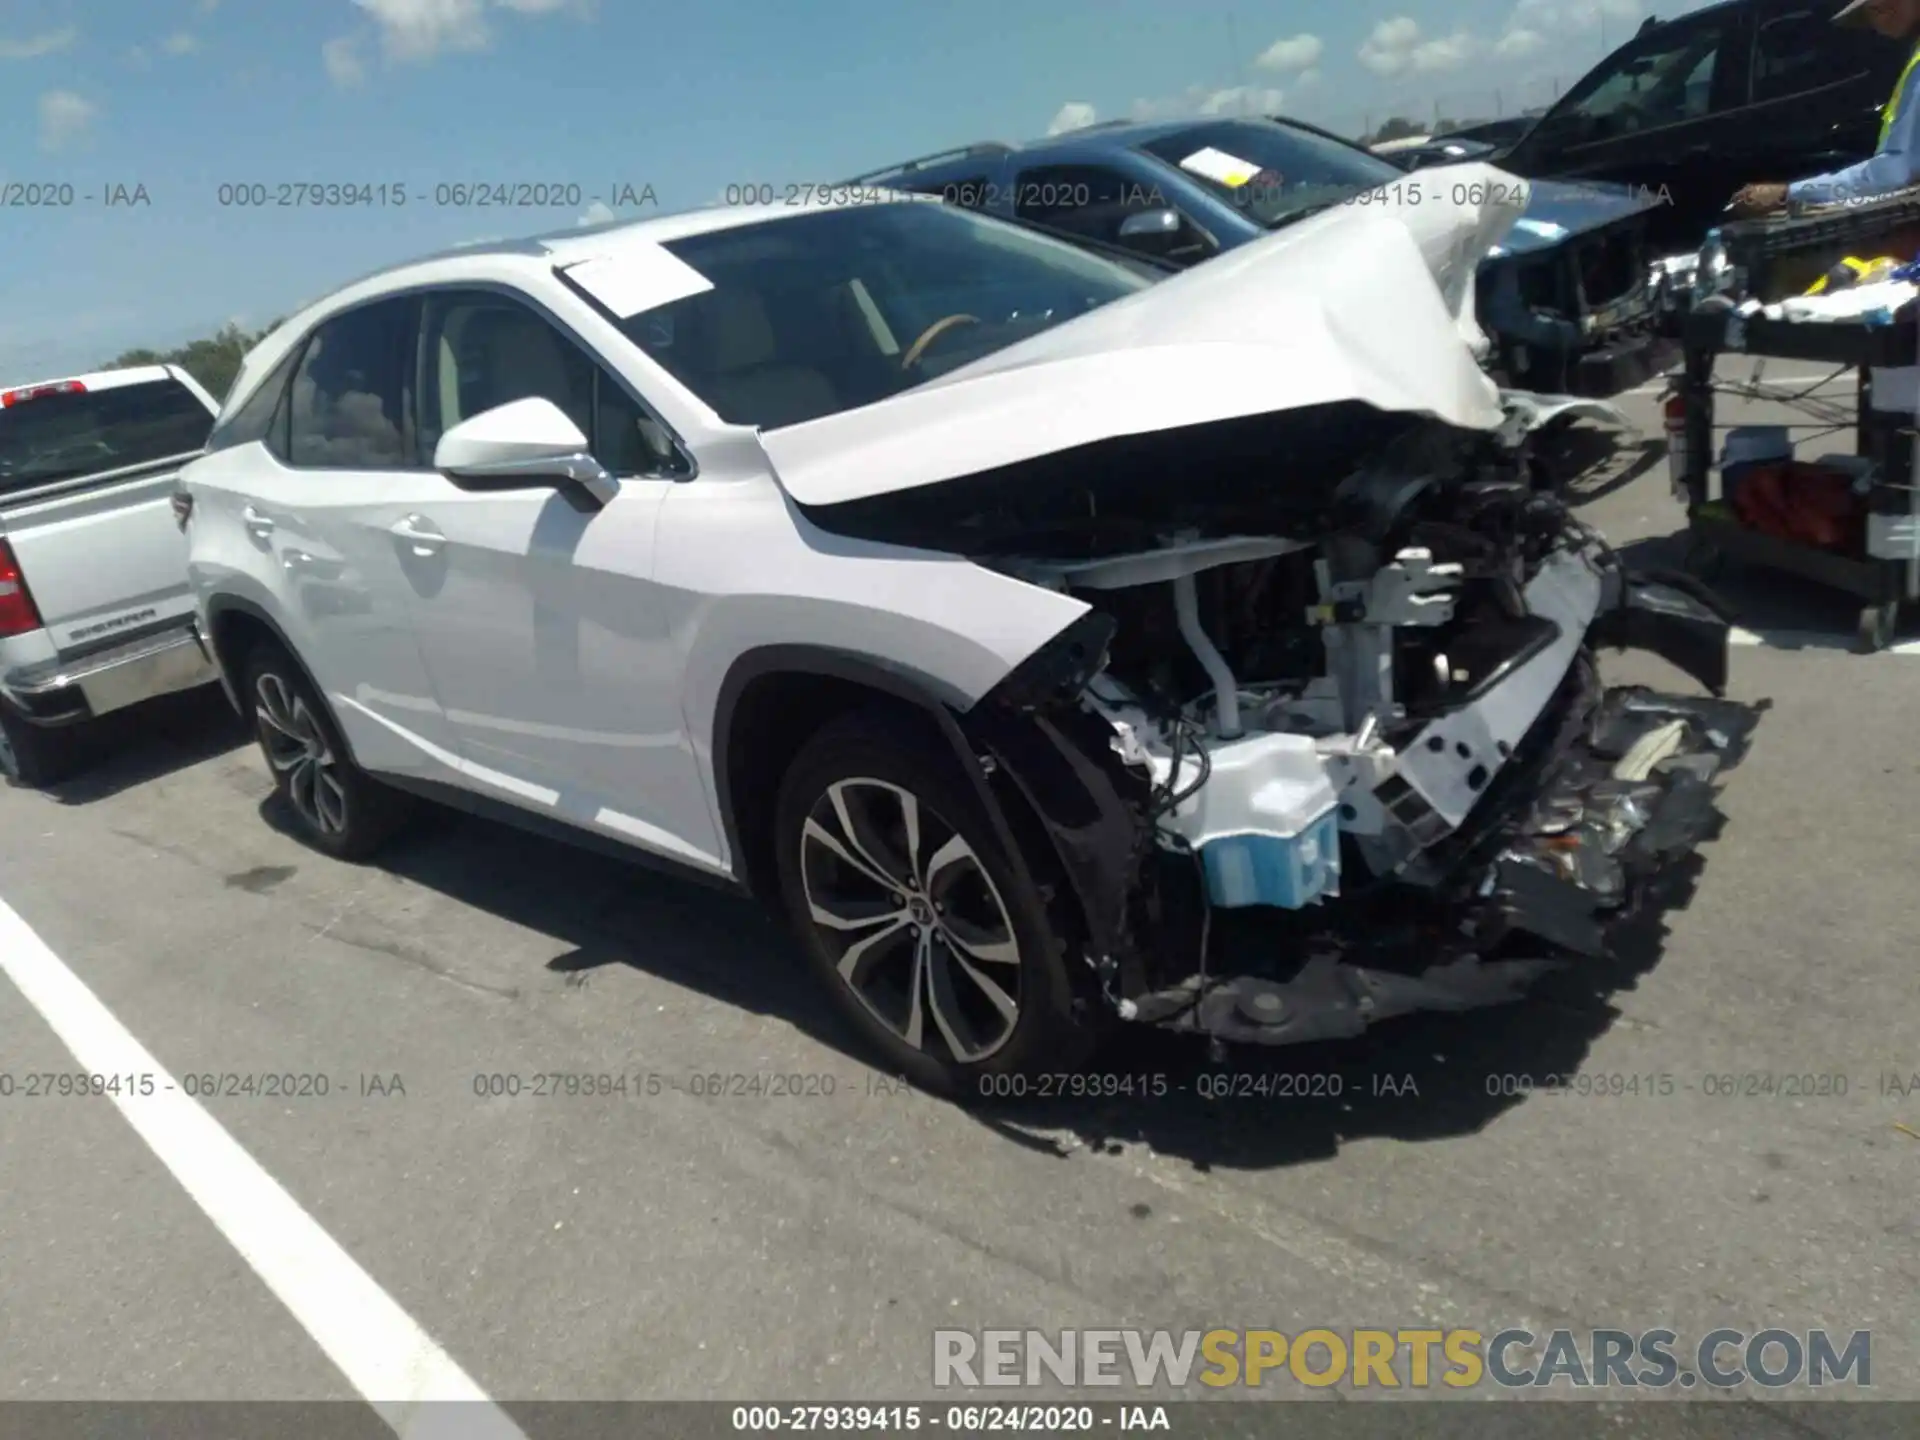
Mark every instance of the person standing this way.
pixel 1895 163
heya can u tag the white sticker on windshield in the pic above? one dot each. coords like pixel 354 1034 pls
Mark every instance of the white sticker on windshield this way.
pixel 1220 166
pixel 640 276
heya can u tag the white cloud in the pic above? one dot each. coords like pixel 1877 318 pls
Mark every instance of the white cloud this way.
pixel 341 56
pixel 598 213
pixel 1243 100
pixel 180 43
pixel 1211 100
pixel 1306 78
pixel 1296 52
pixel 1074 115
pixel 1396 47
pixel 34 46
pixel 1573 15
pixel 1537 25
pixel 421 29
pixel 1519 43
pixel 418 30
pixel 64 119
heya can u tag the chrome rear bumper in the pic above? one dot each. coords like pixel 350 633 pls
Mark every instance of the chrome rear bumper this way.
pixel 63 691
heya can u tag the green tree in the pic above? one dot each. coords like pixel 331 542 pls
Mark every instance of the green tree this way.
pixel 1397 128
pixel 213 361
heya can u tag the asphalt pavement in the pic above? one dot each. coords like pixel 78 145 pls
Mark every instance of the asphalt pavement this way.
pixel 676 1243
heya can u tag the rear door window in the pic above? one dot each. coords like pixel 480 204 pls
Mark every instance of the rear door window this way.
pixel 351 402
pixel 57 436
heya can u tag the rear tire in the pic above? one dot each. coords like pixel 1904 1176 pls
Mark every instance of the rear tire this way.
pixel 337 807
pixel 31 756
pixel 934 942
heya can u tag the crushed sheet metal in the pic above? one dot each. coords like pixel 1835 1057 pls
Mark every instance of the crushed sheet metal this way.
pixel 1528 411
pixel 1361 303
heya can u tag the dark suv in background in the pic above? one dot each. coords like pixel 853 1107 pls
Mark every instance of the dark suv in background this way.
pixel 1693 108
pixel 1569 299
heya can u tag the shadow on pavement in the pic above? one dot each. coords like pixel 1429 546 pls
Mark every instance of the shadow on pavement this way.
pixel 1425 1077
pixel 147 741
pixel 1594 462
pixel 1789 612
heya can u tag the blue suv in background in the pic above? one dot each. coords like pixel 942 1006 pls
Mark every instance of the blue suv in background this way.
pixel 1571 299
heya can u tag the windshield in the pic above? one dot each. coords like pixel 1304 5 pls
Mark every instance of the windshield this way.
pixel 831 310
pixel 67 433
pixel 1274 173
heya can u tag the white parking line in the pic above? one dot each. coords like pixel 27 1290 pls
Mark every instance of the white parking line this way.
pixel 1654 387
pixel 385 1355
pixel 1810 640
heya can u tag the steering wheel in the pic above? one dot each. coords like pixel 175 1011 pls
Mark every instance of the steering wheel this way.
pixel 932 333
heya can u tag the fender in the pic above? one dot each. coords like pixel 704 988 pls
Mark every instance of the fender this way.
pixel 814 660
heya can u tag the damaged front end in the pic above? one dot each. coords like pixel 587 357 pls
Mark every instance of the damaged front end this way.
pixel 1301 783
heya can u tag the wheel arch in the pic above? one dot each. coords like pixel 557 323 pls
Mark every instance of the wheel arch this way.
pixel 773 699
pixel 235 626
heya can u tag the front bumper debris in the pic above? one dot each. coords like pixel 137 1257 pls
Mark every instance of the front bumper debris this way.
pixel 1581 835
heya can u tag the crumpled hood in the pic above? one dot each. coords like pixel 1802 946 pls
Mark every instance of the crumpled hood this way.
pixel 1369 302
pixel 1562 208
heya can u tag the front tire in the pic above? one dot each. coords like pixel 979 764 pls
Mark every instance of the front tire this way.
pixel 337 807
pixel 934 942
pixel 31 756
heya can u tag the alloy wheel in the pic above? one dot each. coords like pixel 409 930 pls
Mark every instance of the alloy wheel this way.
pixel 297 748
pixel 916 927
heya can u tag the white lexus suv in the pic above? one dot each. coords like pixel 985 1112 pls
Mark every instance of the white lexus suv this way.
pixel 1054 645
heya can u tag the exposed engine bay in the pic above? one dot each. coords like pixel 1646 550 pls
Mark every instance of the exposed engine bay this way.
pixel 1357 760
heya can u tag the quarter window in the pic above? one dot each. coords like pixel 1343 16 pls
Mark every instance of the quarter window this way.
pixel 255 420
pixel 350 402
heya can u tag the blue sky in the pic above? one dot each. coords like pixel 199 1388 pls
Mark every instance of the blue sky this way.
pixel 612 96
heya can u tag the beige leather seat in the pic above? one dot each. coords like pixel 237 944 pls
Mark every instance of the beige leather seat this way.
pixel 520 355
pixel 744 378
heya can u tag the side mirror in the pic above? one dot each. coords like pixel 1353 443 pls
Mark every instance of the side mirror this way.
pixel 1150 225
pixel 525 442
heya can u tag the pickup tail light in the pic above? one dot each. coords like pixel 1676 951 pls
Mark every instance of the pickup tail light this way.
pixel 10 398
pixel 18 615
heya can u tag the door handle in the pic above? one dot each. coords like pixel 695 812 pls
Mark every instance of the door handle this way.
pixel 258 525
pixel 420 536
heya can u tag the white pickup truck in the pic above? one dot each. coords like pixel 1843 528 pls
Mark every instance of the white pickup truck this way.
pixel 95 611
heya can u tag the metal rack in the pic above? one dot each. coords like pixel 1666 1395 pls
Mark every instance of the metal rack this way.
pixel 1888 576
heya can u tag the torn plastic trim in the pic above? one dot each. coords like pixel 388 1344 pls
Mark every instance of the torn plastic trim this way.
pixel 1677 619
pixel 1532 903
pixel 1093 816
pixel 1447 765
pixel 1527 412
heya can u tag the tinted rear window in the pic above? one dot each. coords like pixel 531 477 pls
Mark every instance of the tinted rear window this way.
pixel 56 437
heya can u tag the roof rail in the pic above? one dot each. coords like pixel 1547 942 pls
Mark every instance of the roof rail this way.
pixel 907 167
